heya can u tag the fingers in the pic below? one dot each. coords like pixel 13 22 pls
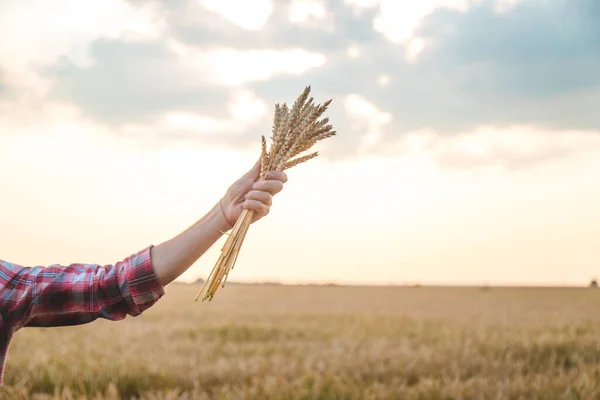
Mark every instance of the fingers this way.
pixel 272 187
pixel 257 206
pixel 260 198
pixel 264 197
pixel 277 176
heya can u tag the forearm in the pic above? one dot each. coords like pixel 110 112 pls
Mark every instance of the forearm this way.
pixel 173 257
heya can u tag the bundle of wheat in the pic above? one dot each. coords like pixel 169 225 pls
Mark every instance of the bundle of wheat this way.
pixel 295 131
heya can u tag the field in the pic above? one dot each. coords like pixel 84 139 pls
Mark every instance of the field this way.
pixel 277 342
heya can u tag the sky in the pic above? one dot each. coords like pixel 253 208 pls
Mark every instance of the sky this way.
pixel 468 145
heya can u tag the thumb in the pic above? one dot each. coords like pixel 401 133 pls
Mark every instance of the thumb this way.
pixel 254 172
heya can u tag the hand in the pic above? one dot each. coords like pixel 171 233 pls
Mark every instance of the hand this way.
pixel 249 193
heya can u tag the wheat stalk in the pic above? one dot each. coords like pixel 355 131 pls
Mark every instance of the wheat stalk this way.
pixel 294 131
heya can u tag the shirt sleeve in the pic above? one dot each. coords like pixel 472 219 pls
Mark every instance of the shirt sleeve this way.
pixel 78 293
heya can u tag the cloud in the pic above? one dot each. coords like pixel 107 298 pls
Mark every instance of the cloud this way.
pixel 247 15
pixel 136 83
pixel 307 11
pixel 365 117
pixel 398 21
pixel 41 32
pixel 131 82
pixel 244 108
pixel 537 50
pixel 454 67
pixel 514 149
pixel 534 64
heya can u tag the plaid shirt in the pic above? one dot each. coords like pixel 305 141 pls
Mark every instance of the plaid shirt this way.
pixel 73 295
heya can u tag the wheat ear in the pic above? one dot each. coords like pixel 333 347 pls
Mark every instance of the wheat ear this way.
pixel 294 131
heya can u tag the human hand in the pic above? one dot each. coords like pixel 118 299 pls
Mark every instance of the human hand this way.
pixel 249 193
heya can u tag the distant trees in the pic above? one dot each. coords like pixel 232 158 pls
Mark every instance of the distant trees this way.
pixel 594 283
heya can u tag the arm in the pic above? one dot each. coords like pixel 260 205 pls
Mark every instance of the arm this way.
pixel 76 294
pixel 174 257
pixel 80 293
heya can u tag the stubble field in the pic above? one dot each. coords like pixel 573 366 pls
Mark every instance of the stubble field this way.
pixel 277 342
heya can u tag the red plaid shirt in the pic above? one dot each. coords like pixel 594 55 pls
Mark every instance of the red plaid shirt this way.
pixel 73 295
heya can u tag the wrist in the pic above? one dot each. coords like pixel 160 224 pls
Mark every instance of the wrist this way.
pixel 222 216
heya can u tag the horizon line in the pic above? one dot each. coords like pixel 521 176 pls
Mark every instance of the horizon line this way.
pixel 402 284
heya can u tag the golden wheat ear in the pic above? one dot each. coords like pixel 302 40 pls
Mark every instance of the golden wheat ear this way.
pixel 294 131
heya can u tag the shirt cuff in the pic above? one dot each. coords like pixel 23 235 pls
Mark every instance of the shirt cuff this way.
pixel 144 288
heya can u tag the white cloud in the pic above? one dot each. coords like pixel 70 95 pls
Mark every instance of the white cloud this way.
pixel 66 28
pixel 353 52
pixel 302 11
pixel 397 20
pixel 383 80
pixel 232 67
pixel 366 116
pixel 179 120
pixel 362 3
pixel 414 48
pixel 515 147
pixel 502 6
pixel 248 15
pixel 247 107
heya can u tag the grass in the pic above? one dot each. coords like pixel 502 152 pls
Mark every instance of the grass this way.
pixel 324 343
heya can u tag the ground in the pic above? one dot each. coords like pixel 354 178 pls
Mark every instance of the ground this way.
pixel 278 342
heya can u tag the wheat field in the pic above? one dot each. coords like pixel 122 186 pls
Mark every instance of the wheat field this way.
pixel 324 342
